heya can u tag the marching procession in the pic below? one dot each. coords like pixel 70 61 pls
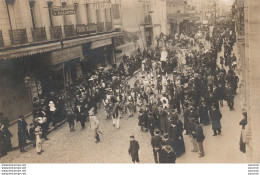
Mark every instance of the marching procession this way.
pixel 179 87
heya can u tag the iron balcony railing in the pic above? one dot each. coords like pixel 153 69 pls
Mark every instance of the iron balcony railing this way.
pixel 82 29
pixel 109 26
pixel 18 36
pixel 69 30
pixel 56 32
pixel 101 27
pixel 148 20
pixel 1 39
pixel 39 34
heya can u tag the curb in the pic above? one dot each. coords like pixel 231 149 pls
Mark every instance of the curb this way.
pixel 15 121
pixel 49 131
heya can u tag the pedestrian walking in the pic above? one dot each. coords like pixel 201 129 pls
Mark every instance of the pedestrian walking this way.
pixel 38 140
pixel 243 123
pixel 215 116
pixel 22 132
pixel 156 143
pixel 70 119
pixel 200 137
pixel 133 149
pixel 94 124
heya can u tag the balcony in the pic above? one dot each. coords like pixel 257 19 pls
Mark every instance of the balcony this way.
pixel 69 30
pixel 92 28
pixel 39 34
pixel 1 39
pixel 18 36
pixel 82 29
pixel 56 32
pixel 109 26
pixel 148 20
pixel 101 27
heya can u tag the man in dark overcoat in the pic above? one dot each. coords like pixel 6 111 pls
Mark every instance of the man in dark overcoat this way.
pixel 215 116
pixel 22 133
pixel 203 113
pixel 133 149
pixel 156 144
pixel 81 113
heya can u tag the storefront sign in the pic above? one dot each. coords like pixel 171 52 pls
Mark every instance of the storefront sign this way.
pixel 101 43
pixel 59 11
pixel 66 54
pixel 104 5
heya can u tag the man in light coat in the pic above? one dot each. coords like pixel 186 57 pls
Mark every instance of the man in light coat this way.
pixel 94 124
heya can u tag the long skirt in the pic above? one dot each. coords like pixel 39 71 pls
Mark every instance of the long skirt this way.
pixel 180 149
pixel 242 145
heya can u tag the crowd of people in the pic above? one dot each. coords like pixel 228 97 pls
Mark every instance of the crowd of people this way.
pixel 181 92
pixel 190 98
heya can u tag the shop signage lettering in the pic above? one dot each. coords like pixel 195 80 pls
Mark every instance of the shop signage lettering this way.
pixel 104 5
pixel 101 43
pixel 66 54
pixel 59 11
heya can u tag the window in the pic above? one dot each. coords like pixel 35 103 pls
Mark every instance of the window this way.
pixel 50 15
pixel 32 3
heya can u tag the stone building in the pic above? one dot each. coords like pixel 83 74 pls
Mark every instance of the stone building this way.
pixel 248 40
pixel 45 44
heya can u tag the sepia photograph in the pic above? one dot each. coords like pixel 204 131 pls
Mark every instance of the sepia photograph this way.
pixel 129 81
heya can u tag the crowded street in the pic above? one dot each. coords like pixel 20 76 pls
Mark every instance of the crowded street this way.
pixel 79 146
pixel 169 85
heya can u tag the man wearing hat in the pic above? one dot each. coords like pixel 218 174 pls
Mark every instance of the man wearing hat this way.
pixel 143 120
pixel 203 113
pixel 133 149
pixel 198 132
pixel 81 114
pixel 156 144
pixel 163 120
pixel 215 116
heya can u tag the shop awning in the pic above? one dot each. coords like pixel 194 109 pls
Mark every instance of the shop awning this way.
pixel 38 48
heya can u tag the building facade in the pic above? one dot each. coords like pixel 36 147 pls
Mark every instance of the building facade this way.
pixel 47 44
pixel 247 27
pixel 145 19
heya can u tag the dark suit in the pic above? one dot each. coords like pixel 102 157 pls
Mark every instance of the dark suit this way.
pixel 133 150
pixel 156 144
pixel 81 115
pixel 22 133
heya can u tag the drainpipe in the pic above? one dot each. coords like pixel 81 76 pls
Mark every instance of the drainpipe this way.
pixel 10 23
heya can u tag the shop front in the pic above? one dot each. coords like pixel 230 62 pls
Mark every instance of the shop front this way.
pixel 15 98
pixel 97 54
pixel 66 67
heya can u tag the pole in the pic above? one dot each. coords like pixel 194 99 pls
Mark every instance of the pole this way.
pixel 9 18
pixel 63 70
